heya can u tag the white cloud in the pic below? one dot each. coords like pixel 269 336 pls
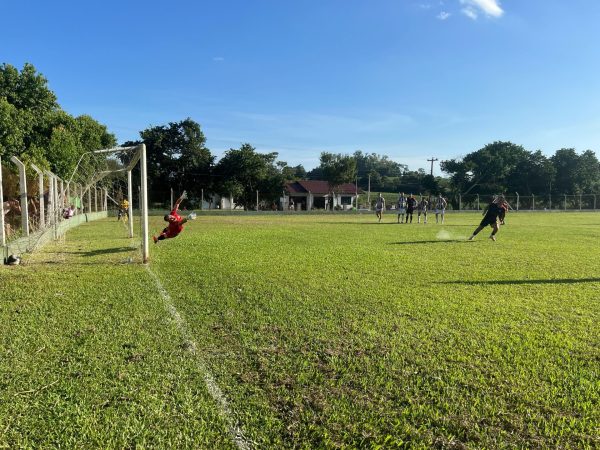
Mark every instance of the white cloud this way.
pixel 218 59
pixel 470 13
pixel 443 15
pixel 490 8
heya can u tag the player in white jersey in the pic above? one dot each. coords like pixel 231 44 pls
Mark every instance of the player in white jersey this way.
pixel 379 206
pixel 440 208
pixel 422 209
pixel 401 206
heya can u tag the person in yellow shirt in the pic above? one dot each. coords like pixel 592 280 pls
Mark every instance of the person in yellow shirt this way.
pixel 123 210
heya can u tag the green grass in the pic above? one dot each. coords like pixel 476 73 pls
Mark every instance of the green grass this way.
pixel 322 331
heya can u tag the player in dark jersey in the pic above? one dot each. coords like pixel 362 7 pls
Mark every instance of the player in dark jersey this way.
pixel 175 222
pixel 411 204
pixel 491 216
pixel 422 209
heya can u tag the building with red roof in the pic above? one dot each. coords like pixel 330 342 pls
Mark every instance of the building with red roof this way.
pixel 317 194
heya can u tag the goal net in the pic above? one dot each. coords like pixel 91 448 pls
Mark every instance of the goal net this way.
pixel 38 206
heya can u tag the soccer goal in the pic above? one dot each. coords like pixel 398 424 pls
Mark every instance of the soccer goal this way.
pixel 38 206
pixel 116 179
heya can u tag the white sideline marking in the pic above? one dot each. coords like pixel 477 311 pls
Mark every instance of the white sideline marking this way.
pixel 235 429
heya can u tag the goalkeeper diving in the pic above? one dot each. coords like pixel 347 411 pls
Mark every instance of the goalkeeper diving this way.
pixel 175 222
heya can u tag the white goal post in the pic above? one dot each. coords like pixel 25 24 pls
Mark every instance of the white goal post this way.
pixel 138 153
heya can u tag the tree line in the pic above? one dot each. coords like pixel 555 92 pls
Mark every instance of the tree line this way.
pixel 35 128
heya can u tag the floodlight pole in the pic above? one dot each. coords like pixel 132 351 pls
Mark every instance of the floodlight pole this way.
pixel 41 194
pixel 23 192
pixel 2 232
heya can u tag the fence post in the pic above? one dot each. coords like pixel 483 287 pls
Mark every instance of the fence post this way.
pixel 565 202
pixel 2 232
pixel 517 200
pixel 460 202
pixel 579 202
pixel 533 202
pixel 23 198
pixel 550 197
pixel 42 211
pixel 594 202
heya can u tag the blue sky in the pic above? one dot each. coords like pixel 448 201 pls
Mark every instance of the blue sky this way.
pixel 408 79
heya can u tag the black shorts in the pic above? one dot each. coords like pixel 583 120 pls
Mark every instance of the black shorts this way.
pixel 410 210
pixel 489 219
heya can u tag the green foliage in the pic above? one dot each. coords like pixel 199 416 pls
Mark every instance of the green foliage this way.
pixel 26 90
pixel 507 167
pixel 338 169
pixel 177 159
pixel 13 129
pixel 33 127
pixel 384 173
pixel 241 172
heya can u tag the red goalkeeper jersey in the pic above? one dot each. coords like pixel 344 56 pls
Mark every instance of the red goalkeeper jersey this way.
pixel 175 227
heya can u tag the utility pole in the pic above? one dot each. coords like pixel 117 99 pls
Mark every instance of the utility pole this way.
pixel 432 160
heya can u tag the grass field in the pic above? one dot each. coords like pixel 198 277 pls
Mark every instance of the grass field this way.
pixel 307 331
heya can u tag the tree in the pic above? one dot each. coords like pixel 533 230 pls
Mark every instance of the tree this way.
pixel 26 90
pixel 337 170
pixel 535 174
pixel 575 173
pixel 241 172
pixel 177 158
pixel 33 127
pixel 291 173
pixel 486 170
pixel 384 173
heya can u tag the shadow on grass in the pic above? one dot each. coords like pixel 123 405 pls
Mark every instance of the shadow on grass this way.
pixel 437 241
pixel 394 223
pixel 539 281
pixel 102 251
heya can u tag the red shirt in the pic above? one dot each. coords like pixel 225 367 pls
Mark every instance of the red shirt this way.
pixel 176 226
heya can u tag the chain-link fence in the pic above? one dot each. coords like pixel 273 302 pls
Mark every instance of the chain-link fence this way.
pixel 546 202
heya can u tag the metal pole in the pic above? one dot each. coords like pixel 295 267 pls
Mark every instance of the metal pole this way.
pixel 565 202
pixel 517 200
pixel 89 196
pixel 579 202
pixel 55 204
pixel 460 202
pixel 533 201
pixel 202 199
pixel 594 201
pixel 257 199
pixel 95 199
pixel 144 206
pixel 477 202
pixel 2 231
pixel 369 193
pixel 171 199
pixel 42 212
pixel 130 200
pixel 81 198
pixel 23 192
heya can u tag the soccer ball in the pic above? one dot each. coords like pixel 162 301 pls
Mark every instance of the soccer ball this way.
pixel 12 260
pixel 191 216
